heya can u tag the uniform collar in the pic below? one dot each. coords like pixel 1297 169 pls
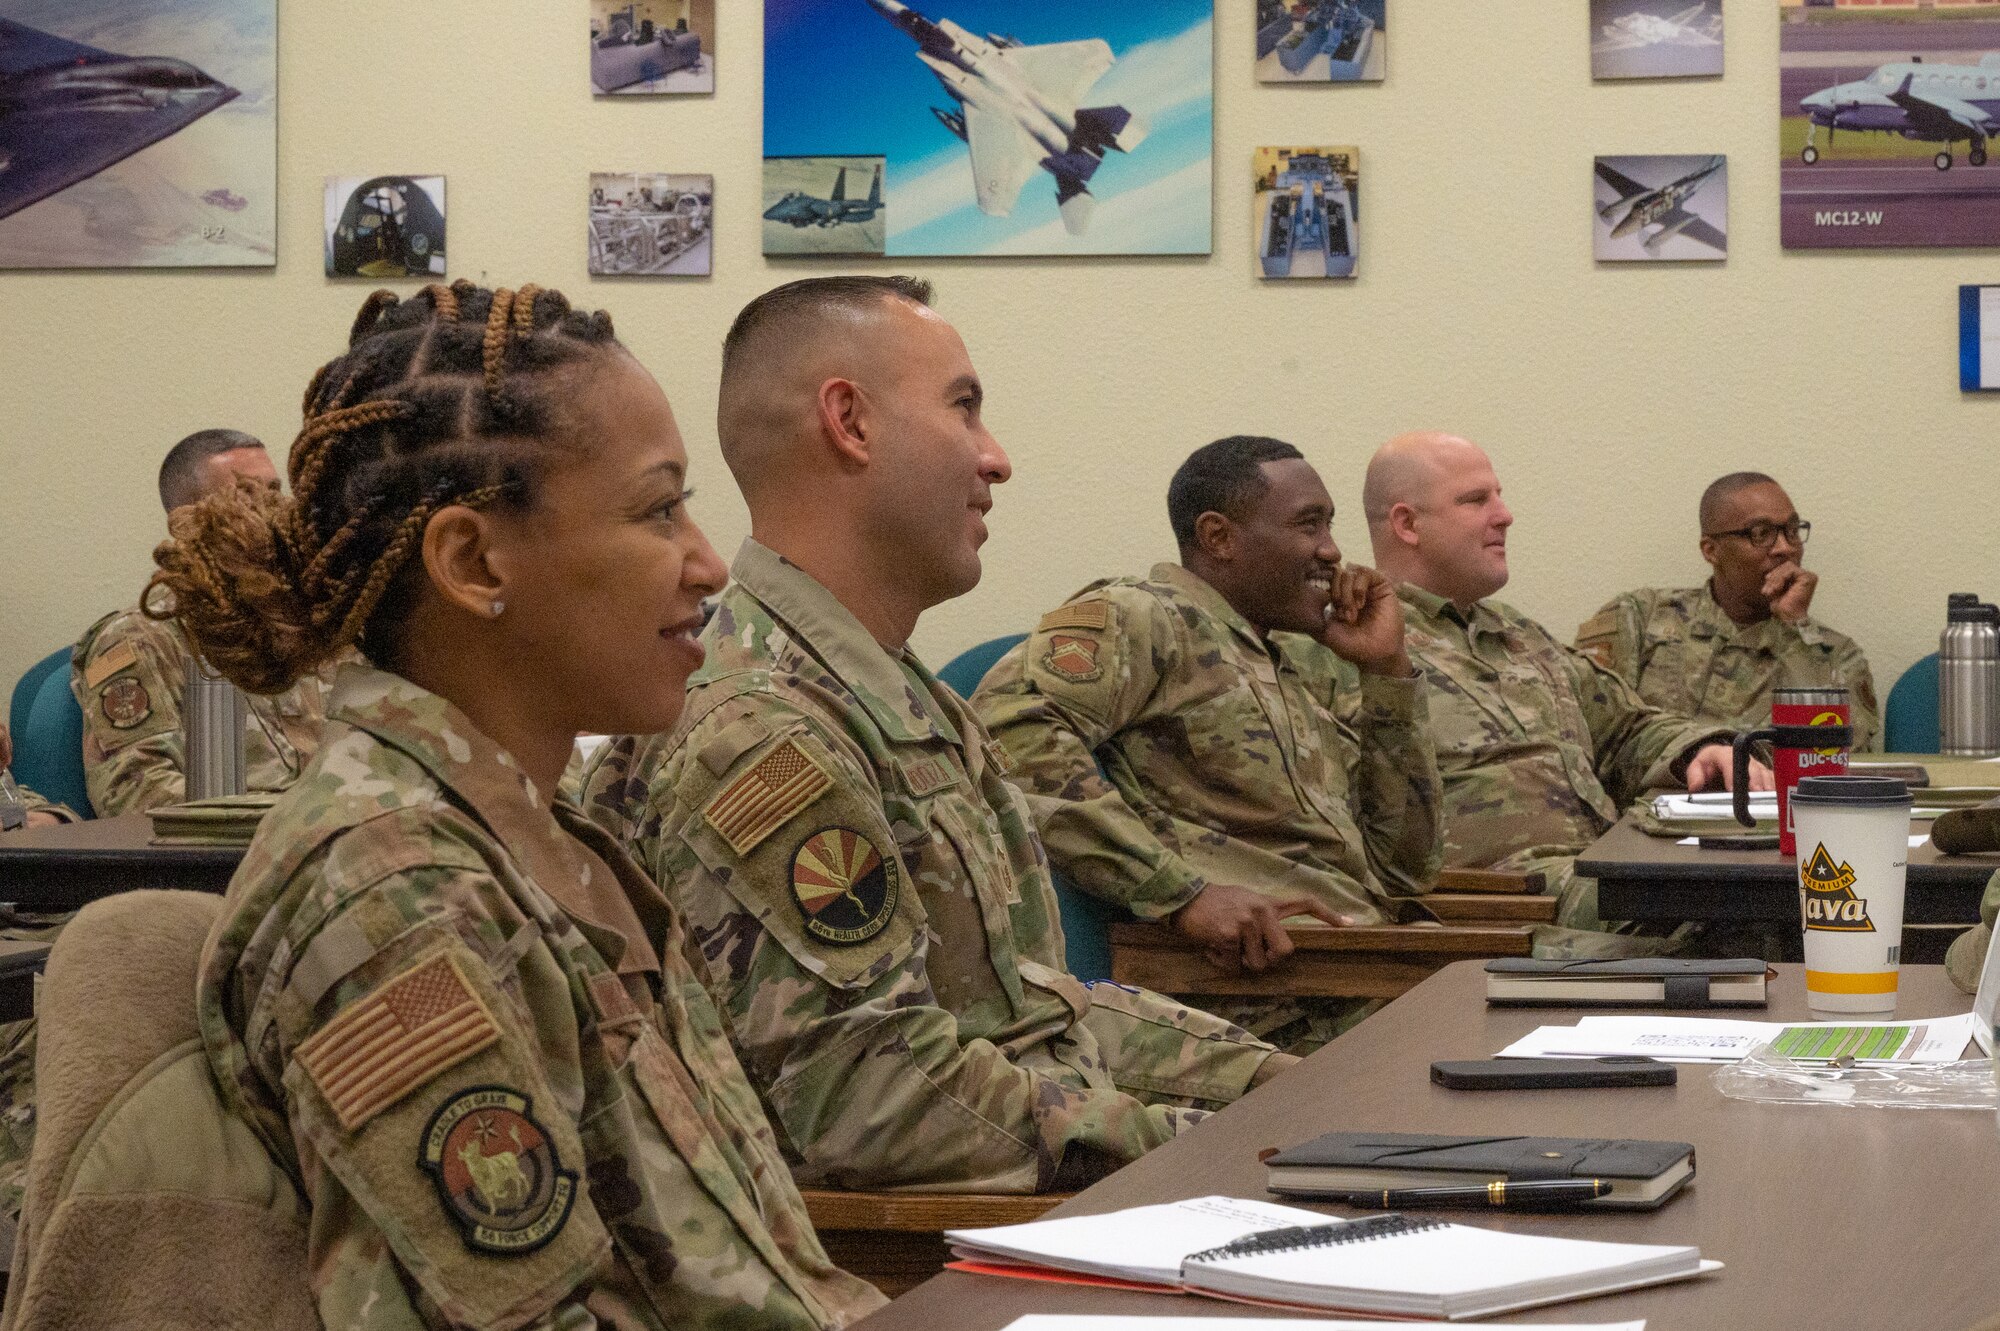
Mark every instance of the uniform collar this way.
pixel 1482 618
pixel 480 774
pixel 1212 603
pixel 818 620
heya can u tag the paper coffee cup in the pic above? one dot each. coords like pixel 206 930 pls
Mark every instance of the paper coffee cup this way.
pixel 1854 851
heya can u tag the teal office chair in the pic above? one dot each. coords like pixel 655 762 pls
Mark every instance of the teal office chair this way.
pixel 1085 920
pixel 48 749
pixel 23 700
pixel 1910 720
pixel 963 672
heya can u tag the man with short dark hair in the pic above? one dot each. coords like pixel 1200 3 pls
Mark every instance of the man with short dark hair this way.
pixel 207 460
pixel 128 671
pixel 1717 652
pixel 1178 735
pixel 865 890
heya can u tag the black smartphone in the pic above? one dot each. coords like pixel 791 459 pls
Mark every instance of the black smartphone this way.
pixel 1524 1074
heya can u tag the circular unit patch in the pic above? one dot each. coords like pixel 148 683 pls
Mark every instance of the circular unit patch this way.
pixel 496 1171
pixel 125 702
pixel 845 889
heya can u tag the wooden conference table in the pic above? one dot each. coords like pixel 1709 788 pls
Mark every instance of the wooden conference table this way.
pixel 70 866
pixel 1641 877
pixel 1826 1217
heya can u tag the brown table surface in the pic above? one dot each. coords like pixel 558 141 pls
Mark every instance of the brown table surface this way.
pixel 69 866
pixel 1641 877
pixel 1825 1217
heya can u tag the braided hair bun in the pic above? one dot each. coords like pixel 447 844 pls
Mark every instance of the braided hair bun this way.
pixel 447 399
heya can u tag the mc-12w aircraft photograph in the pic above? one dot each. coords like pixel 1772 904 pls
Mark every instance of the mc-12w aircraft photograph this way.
pixel 1007 126
pixel 1886 126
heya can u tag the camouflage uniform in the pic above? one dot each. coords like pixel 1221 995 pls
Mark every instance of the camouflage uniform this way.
pixel 1684 655
pixel 1540 749
pixel 437 1001
pixel 877 922
pixel 33 803
pixel 127 673
pixel 1164 744
pixel 1967 956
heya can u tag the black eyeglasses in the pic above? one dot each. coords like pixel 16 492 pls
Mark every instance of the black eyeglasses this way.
pixel 1764 535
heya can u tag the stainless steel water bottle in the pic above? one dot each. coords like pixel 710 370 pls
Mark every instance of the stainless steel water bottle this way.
pixel 213 721
pixel 1969 678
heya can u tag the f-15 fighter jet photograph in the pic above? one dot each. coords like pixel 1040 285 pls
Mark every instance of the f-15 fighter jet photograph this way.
pixel 1009 126
pixel 1662 208
pixel 821 205
pixel 1654 39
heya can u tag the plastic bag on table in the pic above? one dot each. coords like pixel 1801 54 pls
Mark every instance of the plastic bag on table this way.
pixel 1769 1077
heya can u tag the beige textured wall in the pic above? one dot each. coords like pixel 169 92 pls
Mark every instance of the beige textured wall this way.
pixel 1608 396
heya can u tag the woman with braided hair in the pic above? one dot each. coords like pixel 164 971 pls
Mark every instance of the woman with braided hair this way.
pixel 452 1009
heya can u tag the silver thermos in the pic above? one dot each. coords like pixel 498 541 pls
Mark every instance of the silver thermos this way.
pixel 1969 678
pixel 213 721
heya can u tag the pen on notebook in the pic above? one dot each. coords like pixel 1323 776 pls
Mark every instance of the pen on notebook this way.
pixel 1555 1192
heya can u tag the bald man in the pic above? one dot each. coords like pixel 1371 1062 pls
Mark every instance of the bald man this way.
pixel 1718 651
pixel 128 670
pixel 1538 746
pixel 869 899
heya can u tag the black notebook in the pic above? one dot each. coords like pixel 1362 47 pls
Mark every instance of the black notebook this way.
pixel 1642 1174
pixel 1674 982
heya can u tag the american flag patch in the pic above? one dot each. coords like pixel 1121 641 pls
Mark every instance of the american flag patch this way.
pixel 766 797
pixel 390 1043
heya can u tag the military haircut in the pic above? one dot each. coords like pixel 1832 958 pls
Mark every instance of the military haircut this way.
pixel 447 398
pixel 795 305
pixel 1223 477
pixel 180 471
pixel 1719 491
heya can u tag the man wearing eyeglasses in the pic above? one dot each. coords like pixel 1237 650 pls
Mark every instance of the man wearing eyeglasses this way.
pixel 1716 652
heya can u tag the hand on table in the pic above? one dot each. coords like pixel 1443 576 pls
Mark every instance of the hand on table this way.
pixel 1238 927
pixel 1712 768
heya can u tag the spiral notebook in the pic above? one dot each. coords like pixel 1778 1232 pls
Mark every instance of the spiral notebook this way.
pixel 1390 1264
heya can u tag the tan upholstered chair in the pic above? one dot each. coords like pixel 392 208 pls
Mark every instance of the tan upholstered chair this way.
pixel 149 1207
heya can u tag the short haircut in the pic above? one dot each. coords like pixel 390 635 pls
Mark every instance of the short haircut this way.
pixel 1223 477
pixel 796 304
pixel 180 474
pixel 1720 489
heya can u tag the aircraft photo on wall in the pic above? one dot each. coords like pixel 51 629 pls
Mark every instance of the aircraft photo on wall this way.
pixel 138 135
pixel 1002 126
pixel 1655 39
pixel 1884 126
pixel 1669 207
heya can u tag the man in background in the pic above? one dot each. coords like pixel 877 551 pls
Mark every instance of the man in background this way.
pixel 128 671
pixel 1716 652
pixel 1178 735
pixel 1539 747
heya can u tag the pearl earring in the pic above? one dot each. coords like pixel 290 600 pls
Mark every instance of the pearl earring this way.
pixel 499 608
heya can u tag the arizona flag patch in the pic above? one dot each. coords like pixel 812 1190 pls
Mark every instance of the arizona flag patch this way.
pixel 379 1050
pixel 1074 658
pixel 766 797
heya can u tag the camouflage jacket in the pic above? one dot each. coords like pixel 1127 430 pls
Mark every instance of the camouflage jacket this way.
pixel 34 803
pixel 1540 748
pixel 1684 654
pixel 128 673
pixel 433 997
pixel 1164 743
pixel 877 921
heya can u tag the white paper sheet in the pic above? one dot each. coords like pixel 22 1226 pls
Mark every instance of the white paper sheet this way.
pixel 1719 1040
pixel 1071 1322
